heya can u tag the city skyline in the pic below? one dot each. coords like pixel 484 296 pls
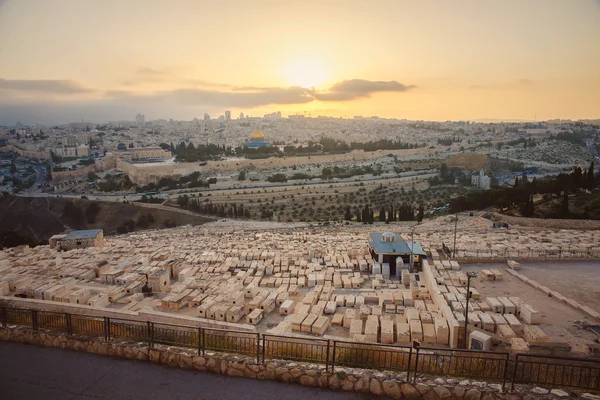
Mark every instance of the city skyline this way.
pixel 101 61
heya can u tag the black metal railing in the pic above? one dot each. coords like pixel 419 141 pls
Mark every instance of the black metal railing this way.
pixel 501 367
pixel 296 349
pixel 578 373
pixel 489 366
pixel 371 356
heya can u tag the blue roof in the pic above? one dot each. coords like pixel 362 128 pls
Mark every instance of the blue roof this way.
pixel 398 246
pixel 84 234
pixel 416 248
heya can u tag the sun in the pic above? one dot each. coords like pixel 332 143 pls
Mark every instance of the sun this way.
pixel 306 73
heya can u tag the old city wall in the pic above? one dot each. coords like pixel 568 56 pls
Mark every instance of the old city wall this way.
pixel 145 173
pixel 58 176
pixel 42 155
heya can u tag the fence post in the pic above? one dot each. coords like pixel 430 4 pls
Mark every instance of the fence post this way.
pixel 258 348
pixel 34 321
pixel 199 341
pixel 203 341
pixel 514 375
pixel 107 327
pixel 69 325
pixel 416 365
pixel 409 361
pixel 150 334
pixel 264 347
pixel 4 317
pixel 333 357
pixel 327 356
pixel 505 372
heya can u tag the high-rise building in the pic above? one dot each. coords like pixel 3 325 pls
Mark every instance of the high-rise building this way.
pixel 241 115
pixel 227 115
pixel 140 119
pixel 206 117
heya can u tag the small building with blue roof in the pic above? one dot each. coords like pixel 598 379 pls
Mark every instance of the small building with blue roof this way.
pixel 391 248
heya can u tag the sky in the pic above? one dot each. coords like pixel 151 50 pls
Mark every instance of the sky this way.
pixel 103 60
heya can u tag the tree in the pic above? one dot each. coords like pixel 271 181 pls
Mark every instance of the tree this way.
pixel 590 177
pixel 191 155
pixel 131 145
pixel 382 214
pixel 443 171
pixel 13 167
pixel 91 176
pixel 421 213
pixel 242 175
pixel 183 201
pixel 348 214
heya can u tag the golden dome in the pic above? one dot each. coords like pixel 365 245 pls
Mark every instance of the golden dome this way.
pixel 257 134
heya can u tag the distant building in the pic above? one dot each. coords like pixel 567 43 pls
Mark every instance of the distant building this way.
pixel 227 115
pixel 71 147
pixel 482 181
pixel 206 116
pixel 241 115
pixel 257 140
pixel 78 239
pixel 274 115
pixel 140 119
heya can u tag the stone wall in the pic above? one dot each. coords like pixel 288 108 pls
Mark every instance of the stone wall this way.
pixel 42 155
pixel 389 384
pixel 58 176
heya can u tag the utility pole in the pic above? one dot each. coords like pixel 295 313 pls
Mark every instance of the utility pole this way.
pixel 412 248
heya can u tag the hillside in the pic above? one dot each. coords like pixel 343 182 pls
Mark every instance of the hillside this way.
pixel 32 220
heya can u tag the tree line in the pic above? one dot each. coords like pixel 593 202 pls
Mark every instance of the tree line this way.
pixel 520 195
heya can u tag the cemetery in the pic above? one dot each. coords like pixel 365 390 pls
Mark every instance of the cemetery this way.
pixel 376 287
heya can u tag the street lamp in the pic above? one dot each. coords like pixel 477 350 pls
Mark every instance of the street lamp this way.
pixel 470 274
pixel 412 248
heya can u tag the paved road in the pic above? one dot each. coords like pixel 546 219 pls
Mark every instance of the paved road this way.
pixel 32 372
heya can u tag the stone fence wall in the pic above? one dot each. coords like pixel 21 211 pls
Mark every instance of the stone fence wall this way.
pixel 394 385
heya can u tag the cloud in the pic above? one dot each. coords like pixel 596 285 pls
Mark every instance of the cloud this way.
pixel 188 99
pixel 252 96
pixel 207 97
pixel 359 88
pixel 44 86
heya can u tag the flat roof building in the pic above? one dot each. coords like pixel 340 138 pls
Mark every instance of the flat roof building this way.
pixel 81 239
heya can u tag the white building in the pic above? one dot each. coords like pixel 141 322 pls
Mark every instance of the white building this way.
pixel 227 115
pixel 482 181
pixel 140 119
pixel 206 117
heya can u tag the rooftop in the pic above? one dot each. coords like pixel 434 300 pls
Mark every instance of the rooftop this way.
pixel 396 246
pixel 83 234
